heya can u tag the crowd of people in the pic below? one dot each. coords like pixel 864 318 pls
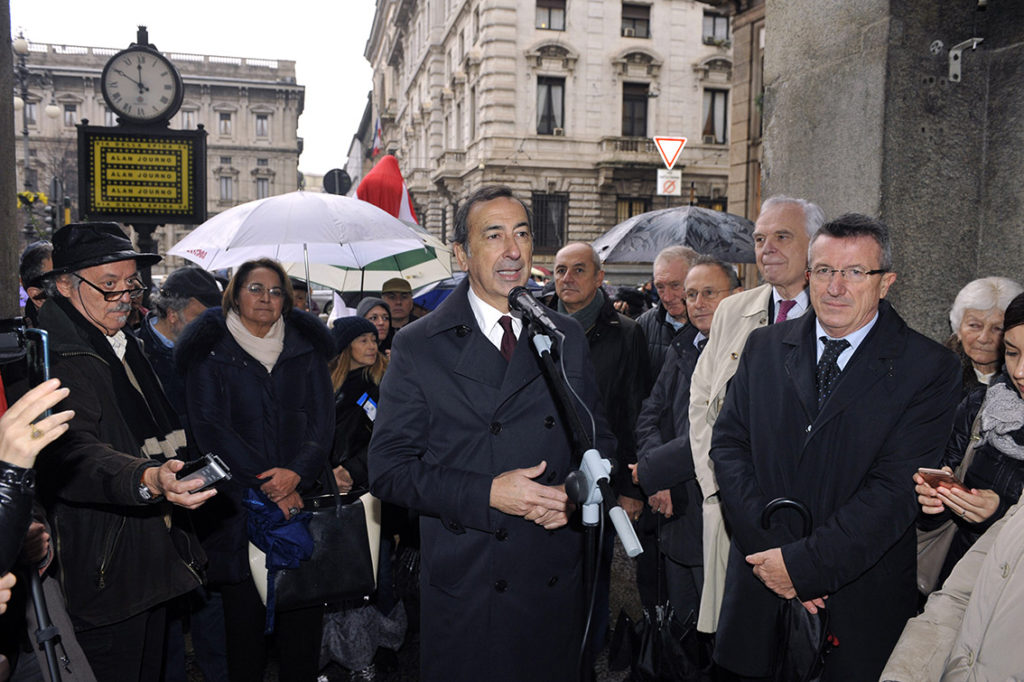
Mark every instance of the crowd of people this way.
pixel 714 401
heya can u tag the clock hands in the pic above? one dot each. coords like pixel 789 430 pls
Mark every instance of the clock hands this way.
pixel 142 87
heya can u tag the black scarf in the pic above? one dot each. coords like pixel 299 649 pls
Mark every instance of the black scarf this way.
pixel 150 417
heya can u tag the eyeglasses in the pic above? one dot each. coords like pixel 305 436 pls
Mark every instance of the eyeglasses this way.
pixel 257 290
pixel 708 293
pixel 823 273
pixel 136 290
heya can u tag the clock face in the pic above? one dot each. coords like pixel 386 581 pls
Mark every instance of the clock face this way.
pixel 142 85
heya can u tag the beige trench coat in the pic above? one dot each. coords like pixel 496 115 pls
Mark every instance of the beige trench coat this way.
pixel 971 628
pixel 734 319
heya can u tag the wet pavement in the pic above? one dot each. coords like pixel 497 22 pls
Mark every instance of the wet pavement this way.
pixel 404 666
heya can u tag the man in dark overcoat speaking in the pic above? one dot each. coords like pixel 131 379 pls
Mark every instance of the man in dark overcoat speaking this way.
pixel 838 410
pixel 468 434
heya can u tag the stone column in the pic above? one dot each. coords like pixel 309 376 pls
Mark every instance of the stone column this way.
pixel 861 115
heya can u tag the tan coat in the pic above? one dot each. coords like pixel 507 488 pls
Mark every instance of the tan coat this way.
pixel 971 628
pixel 734 319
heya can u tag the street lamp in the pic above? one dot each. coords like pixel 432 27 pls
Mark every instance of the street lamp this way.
pixel 22 73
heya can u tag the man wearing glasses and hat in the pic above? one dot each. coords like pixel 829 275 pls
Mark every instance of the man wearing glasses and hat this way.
pixel 108 481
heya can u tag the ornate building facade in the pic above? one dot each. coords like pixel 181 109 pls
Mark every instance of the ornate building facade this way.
pixel 249 107
pixel 559 99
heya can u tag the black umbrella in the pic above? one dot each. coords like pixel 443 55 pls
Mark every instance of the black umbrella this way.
pixel 725 236
pixel 804 638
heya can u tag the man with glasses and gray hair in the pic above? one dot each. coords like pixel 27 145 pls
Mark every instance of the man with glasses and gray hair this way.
pixel 837 410
pixel 665 467
pixel 109 483
pixel 781 235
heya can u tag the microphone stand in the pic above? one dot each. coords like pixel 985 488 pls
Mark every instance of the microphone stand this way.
pixel 587 486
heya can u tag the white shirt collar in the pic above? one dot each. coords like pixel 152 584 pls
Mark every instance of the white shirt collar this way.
pixel 802 302
pixel 487 317
pixel 854 339
pixel 119 343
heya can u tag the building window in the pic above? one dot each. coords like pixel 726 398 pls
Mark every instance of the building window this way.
pixel 188 120
pixel 262 163
pixel 224 123
pixel 716 29
pixel 627 207
pixel 262 188
pixel 225 160
pixel 551 15
pixel 550 105
pixel 70 114
pixel 636 21
pixel 227 189
pixel 634 110
pixel 262 125
pixel 109 118
pixel 714 116
pixel 550 217
pixel 31 112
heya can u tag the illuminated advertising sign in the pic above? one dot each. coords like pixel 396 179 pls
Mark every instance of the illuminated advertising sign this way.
pixel 142 177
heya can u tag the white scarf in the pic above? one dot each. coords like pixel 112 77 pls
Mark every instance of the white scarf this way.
pixel 266 349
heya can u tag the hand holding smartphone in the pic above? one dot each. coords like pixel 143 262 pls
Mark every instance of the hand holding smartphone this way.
pixel 937 477
pixel 208 469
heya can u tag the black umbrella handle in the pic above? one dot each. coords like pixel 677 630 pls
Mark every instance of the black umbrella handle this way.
pixel 786 503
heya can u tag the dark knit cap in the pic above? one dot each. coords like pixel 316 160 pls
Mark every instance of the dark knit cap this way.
pixel 369 303
pixel 347 329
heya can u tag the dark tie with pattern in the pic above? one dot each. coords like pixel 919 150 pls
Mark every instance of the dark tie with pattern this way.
pixel 784 308
pixel 828 368
pixel 508 339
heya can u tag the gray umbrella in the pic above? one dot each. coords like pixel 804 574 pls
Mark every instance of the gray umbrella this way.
pixel 639 239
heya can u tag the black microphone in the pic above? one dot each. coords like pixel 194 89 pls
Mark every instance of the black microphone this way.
pixel 522 300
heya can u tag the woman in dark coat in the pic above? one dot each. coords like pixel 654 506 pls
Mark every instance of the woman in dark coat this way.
pixel 355 376
pixel 354 631
pixel 995 477
pixel 259 396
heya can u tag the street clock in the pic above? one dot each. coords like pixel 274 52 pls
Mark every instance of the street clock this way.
pixel 141 85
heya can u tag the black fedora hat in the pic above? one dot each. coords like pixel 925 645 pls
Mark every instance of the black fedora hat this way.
pixel 82 245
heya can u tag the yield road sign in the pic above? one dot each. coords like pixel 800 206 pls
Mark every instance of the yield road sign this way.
pixel 669 148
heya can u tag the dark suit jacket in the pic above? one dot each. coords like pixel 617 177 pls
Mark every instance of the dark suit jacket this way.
pixel 501 597
pixel 666 463
pixel 852 465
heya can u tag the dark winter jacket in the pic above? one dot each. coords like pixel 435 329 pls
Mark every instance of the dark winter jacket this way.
pixel 115 555
pixel 254 420
pixel 990 469
pixel 161 357
pixel 659 335
pixel 618 350
pixel 663 448
pixel 17 486
pixel 353 426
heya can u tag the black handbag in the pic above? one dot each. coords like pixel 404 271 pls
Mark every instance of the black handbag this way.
pixel 346 544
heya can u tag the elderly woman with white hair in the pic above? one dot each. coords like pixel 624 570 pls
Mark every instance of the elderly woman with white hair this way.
pixel 977 322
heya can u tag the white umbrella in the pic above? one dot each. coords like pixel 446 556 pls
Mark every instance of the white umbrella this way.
pixel 419 267
pixel 307 227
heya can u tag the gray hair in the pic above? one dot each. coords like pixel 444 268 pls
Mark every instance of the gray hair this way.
pixel 814 217
pixel 852 225
pixel 677 252
pixel 728 270
pixel 983 294
pixel 164 303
